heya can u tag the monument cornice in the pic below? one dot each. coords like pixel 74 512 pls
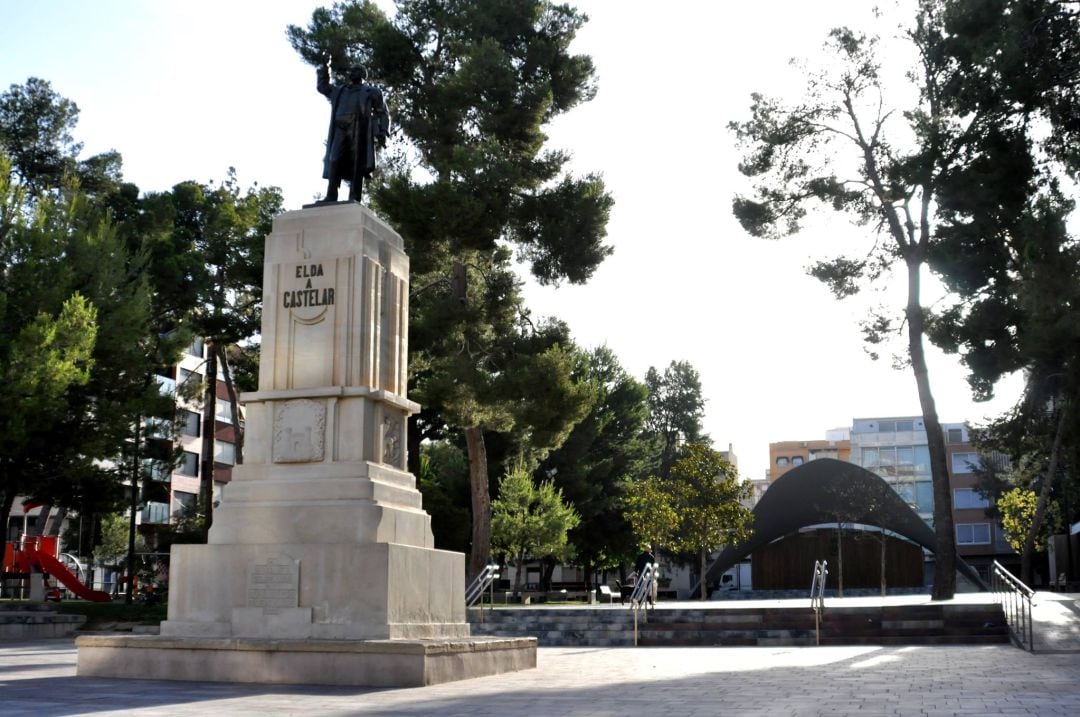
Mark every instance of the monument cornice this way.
pixel 289 394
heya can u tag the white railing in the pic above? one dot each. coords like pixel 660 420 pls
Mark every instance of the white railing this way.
pixel 481 584
pixel 642 595
pixel 1015 599
pixel 817 594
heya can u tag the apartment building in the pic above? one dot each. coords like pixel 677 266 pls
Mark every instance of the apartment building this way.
pixel 785 455
pixel 177 485
pixel 896 448
pixel 979 540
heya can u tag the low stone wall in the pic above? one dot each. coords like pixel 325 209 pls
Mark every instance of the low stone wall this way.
pixel 805 593
pixel 21 622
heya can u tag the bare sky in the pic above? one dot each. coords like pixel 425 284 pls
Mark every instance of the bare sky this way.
pixel 184 90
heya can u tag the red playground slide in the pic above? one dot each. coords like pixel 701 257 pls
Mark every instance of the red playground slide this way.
pixel 55 568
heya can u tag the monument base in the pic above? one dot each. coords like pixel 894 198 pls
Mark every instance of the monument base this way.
pixel 361 663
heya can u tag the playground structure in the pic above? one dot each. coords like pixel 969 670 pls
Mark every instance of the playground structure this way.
pixel 43 552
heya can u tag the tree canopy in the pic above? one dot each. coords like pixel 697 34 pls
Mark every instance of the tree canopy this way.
pixel 1004 247
pixel 36 125
pixel 471 85
pixel 676 410
pixel 604 452
pixel 848 148
pixel 530 521
pixel 709 498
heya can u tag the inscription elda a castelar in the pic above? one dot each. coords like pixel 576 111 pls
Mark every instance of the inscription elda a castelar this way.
pixel 309 295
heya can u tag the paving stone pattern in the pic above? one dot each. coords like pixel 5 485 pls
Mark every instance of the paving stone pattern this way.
pixel 39 679
pixel 1056 618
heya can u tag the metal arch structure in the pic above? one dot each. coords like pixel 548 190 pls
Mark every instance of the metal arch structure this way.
pixel 827 490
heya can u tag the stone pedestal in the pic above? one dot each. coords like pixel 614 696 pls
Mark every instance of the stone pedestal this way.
pixel 320 545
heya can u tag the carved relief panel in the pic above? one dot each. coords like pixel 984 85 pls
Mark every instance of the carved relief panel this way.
pixel 299 431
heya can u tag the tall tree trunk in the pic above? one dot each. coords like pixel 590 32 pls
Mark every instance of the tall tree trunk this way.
pixel 6 502
pixel 234 401
pixel 209 431
pixel 1070 574
pixel 884 544
pixel 704 567
pixel 519 571
pixel 1027 556
pixel 547 572
pixel 480 552
pixel 945 537
pixel 839 559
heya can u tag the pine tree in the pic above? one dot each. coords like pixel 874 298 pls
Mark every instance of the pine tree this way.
pixel 471 85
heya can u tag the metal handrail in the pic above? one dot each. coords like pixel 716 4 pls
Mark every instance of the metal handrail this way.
pixel 485 579
pixel 641 594
pixel 817 594
pixel 1015 600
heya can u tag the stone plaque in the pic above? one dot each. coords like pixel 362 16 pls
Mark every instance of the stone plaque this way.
pixel 274 582
pixel 299 431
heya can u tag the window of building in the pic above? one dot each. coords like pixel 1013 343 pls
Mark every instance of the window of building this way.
pixel 183 504
pixel 869 458
pixel 924 496
pixel 190 423
pixel 1001 541
pixel 225 452
pixel 886 426
pixel 189 464
pixel 922 460
pixel 197 348
pixel 954 435
pixel 887 457
pixel 969 498
pixel 781 461
pixel 797 461
pixel 973 534
pixel 905 426
pixel 189 377
pixel 166 385
pixel 965 462
pixel 223 410
pixel 905 461
pixel 155 513
pixel 160 471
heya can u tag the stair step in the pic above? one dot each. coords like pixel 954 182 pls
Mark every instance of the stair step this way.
pixel 899 625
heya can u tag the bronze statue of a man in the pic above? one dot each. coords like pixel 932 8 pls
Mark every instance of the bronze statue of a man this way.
pixel 358 124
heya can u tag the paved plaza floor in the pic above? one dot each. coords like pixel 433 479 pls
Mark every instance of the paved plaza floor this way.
pixel 39 679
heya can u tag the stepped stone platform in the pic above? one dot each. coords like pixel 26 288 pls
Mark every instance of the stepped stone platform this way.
pixel 371 663
pixel 28 621
pixel 320 566
pixel 904 620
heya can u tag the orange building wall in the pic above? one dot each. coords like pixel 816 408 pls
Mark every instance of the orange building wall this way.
pixel 792 450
